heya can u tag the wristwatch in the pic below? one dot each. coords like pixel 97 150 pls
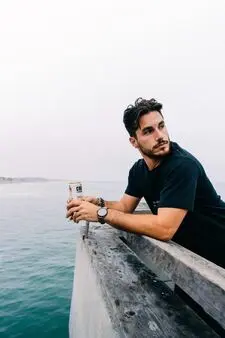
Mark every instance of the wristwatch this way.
pixel 102 213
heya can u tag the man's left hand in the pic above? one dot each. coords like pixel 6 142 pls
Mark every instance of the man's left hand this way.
pixel 78 210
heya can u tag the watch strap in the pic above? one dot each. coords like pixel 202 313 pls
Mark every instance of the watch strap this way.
pixel 100 202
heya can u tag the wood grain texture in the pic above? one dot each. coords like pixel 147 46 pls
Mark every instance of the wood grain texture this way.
pixel 138 304
pixel 89 316
pixel 201 279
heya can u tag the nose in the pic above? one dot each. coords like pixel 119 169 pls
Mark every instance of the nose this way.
pixel 158 135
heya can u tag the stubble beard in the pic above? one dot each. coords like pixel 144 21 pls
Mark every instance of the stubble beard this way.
pixel 151 155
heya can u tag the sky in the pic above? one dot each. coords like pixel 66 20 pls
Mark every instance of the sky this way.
pixel 68 69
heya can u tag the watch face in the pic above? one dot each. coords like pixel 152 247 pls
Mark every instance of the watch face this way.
pixel 102 212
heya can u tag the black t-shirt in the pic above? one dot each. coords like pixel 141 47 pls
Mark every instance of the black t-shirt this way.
pixel 181 182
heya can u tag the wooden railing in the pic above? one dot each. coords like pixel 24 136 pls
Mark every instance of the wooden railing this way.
pixel 199 278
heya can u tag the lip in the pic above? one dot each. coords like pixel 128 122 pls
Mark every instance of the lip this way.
pixel 161 145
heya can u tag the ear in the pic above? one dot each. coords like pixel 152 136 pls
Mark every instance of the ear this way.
pixel 133 141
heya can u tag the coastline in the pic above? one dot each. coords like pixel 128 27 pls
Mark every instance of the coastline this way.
pixel 9 180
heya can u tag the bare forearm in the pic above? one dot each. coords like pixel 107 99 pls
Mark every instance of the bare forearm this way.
pixel 126 204
pixel 144 224
pixel 116 205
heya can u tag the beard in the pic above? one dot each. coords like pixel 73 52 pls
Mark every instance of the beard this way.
pixel 152 153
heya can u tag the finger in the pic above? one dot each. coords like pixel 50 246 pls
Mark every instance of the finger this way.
pixel 77 211
pixel 70 212
pixel 75 217
pixel 80 218
pixel 79 215
pixel 70 218
pixel 73 203
pixel 77 208
pixel 74 207
pixel 70 200
pixel 70 204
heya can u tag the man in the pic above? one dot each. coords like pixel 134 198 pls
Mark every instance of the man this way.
pixel 185 206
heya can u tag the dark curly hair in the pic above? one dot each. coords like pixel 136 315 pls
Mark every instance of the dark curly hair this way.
pixel 133 113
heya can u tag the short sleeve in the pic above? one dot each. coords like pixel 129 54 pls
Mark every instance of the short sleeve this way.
pixel 180 186
pixel 133 188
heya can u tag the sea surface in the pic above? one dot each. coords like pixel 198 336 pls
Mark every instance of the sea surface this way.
pixel 37 254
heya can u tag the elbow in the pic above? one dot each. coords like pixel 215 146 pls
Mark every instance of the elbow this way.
pixel 167 233
pixel 163 230
pixel 161 237
pixel 166 237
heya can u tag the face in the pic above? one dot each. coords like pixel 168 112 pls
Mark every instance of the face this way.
pixel 152 138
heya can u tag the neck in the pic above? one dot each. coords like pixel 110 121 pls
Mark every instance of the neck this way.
pixel 151 163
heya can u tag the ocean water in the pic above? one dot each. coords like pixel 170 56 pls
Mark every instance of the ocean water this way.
pixel 37 253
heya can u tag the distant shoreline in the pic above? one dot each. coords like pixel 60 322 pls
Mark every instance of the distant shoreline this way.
pixel 8 180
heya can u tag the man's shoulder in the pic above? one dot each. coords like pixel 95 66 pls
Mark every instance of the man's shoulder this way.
pixel 138 166
pixel 181 156
pixel 182 162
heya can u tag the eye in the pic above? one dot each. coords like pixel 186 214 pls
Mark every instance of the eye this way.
pixel 161 125
pixel 148 131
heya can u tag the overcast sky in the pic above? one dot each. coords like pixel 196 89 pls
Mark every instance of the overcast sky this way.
pixel 70 68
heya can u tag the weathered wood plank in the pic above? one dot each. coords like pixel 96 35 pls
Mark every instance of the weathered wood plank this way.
pixel 138 304
pixel 89 316
pixel 201 279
